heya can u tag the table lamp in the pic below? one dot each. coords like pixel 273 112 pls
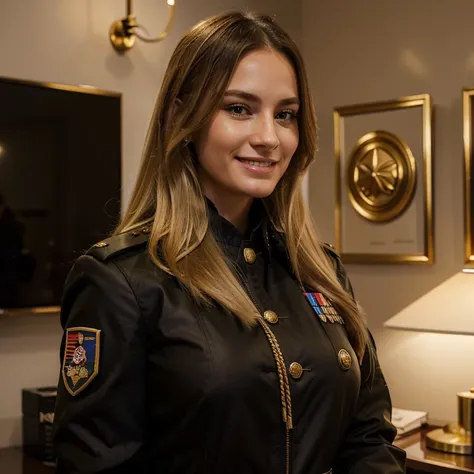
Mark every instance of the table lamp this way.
pixel 458 319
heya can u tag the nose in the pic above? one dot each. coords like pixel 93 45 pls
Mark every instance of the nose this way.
pixel 265 133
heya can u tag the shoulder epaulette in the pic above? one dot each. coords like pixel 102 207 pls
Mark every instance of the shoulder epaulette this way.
pixel 330 249
pixel 120 243
pixel 332 254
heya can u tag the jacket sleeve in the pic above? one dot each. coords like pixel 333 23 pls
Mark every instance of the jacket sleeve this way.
pixel 100 428
pixel 368 446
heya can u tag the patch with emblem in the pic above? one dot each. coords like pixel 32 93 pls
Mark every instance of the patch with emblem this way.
pixel 81 358
pixel 323 308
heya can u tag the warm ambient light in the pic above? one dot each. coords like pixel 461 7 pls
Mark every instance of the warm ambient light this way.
pixel 123 32
pixel 447 309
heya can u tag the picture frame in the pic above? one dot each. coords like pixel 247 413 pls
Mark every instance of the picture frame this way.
pixel 384 204
pixel 468 140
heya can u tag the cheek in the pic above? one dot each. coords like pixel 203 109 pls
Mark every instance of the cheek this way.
pixel 223 134
pixel 290 142
pixel 216 145
pixel 289 145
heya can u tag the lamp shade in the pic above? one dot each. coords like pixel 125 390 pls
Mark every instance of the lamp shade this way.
pixel 447 308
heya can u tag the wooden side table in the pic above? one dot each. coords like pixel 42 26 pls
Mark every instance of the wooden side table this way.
pixel 421 460
pixel 13 461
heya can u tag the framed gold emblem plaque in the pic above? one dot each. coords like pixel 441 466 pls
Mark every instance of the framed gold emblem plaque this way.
pixel 381 176
pixel 468 135
pixel 384 183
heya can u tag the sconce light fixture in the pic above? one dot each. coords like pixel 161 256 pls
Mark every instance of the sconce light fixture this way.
pixel 123 32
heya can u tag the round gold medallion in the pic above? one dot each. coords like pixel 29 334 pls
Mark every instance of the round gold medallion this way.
pixel 296 370
pixel 249 255
pixel 381 176
pixel 270 317
pixel 345 359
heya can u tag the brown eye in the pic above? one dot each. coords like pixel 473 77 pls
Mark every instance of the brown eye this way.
pixel 287 115
pixel 237 110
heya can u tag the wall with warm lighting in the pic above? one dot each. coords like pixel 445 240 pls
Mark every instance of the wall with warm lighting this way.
pixel 369 51
pixel 68 43
pixel 356 52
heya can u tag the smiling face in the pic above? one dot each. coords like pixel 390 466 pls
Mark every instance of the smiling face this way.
pixel 249 143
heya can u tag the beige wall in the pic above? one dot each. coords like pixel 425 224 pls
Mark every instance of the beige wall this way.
pixel 368 50
pixel 66 42
pixel 357 51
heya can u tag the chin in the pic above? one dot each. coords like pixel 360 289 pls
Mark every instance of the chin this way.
pixel 260 192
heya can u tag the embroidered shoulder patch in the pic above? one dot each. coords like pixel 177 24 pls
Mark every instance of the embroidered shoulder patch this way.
pixel 81 358
pixel 323 308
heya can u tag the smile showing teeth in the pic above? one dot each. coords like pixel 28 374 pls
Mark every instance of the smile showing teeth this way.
pixel 256 163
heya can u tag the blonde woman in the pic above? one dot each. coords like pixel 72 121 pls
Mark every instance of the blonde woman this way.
pixel 213 333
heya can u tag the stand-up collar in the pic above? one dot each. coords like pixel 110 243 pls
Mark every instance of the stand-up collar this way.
pixel 226 233
pixel 261 234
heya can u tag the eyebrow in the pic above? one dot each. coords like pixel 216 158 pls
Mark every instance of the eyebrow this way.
pixel 254 98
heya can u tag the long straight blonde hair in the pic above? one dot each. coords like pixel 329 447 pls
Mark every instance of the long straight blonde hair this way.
pixel 168 195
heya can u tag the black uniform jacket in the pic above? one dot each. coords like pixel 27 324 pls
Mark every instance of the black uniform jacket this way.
pixel 178 389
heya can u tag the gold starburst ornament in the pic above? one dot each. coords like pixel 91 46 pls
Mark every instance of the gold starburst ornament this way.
pixel 381 176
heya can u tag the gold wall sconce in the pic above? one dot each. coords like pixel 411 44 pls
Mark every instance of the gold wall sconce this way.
pixel 123 32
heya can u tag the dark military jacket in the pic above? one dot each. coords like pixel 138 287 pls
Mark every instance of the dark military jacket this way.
pixel 152 382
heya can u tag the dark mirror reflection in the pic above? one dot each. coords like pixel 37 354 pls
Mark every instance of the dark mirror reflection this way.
pixel 60 176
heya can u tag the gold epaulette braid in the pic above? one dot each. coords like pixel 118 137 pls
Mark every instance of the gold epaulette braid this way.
pixel 282 375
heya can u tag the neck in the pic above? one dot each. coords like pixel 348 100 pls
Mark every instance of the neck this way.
pixel 234 209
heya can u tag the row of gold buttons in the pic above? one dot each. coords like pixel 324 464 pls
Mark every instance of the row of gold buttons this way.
pixel 344 358
pixel 272 318
pixel 295 369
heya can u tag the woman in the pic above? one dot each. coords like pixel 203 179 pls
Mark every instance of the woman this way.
pixel 213 333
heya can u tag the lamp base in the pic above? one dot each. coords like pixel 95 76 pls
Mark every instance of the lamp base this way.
pixel 452 438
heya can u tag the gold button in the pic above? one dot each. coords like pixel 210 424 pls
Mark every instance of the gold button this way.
pixel 345 359
pixel 270 317
pixel 249 255
pixel 134 233
pixel 101 245
pixel 146 230
pixel 296 371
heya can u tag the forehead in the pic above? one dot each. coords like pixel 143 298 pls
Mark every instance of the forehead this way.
pixel 267 74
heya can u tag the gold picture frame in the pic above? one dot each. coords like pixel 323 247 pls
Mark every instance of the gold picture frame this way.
pixel 468 139
pixel 384 205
